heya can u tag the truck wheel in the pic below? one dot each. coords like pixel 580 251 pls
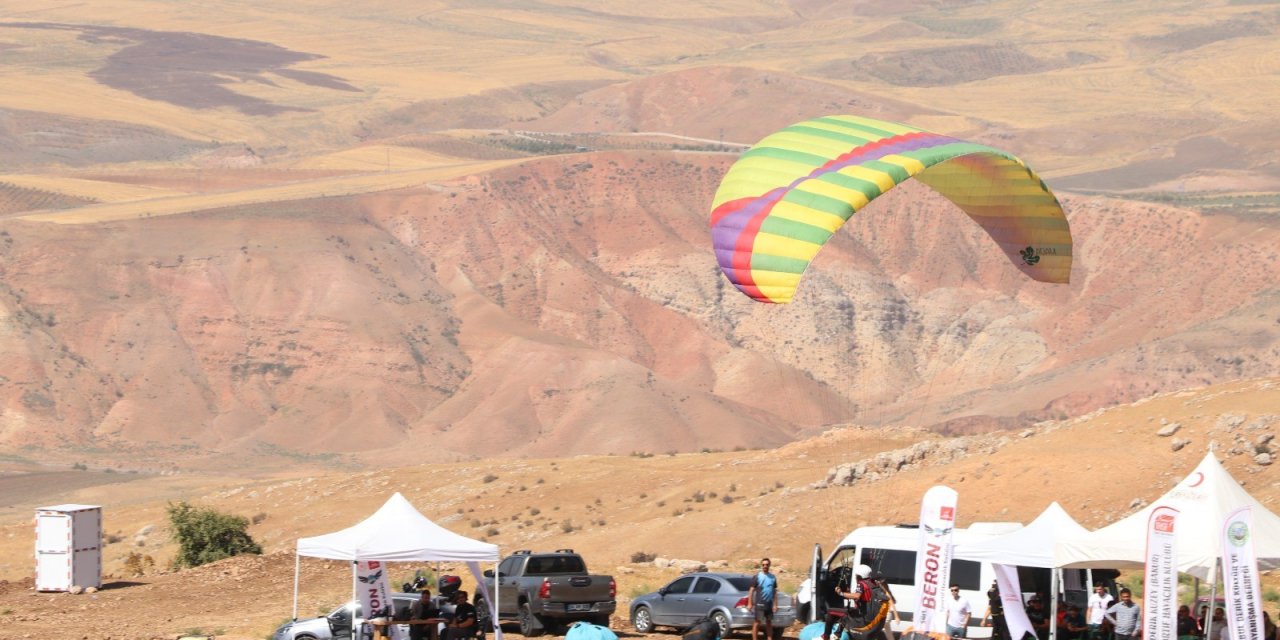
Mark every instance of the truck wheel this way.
pixel 721 619
pixel 802 613
pixel 600 620
pixel 530 625
pixel 483 623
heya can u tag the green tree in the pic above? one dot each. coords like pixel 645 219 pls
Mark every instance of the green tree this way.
pixel 204 535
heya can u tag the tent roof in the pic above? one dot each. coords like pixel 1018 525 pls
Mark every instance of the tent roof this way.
pixel 1203 500
pixel 1030 546
pixel 396 532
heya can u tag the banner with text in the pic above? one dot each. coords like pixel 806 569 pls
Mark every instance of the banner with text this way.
pixel 373 590
pixel 1015 614
pixel 1160 592
pixel 1240 576
pixel 933 561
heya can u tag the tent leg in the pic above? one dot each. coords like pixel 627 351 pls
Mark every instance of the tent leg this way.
pixel 297 566
pixel 1054 575
pixel 1213 599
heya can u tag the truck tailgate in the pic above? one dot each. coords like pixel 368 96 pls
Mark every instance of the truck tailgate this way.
pixel 579 589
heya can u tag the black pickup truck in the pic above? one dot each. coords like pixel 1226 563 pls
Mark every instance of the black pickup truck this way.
pixel 549 591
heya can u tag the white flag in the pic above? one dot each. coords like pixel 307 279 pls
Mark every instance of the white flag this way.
pixel 1160 582
pixel 1240 576
pixel 373 589
pixel 1015 615
pixel 933 561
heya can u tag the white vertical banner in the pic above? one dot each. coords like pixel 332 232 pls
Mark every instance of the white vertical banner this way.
pixel 1240 576
pixel 374 592
pixel 1015 615
pixel 1160 580
pixel 933 561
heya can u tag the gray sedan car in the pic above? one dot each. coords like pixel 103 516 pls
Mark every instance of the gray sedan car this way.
pixel 719 596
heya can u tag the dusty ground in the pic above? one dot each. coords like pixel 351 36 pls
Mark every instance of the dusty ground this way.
pixel 1096 467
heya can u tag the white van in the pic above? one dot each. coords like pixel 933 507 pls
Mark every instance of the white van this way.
pixel 891 551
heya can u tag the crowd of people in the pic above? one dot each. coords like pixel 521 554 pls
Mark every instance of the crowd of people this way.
pixel 1103 618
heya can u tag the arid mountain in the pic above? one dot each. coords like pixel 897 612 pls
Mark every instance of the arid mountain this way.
pixel 570 305
pixel 303 234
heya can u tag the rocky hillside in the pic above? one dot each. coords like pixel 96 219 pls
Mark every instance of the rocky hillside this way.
pixel 571 305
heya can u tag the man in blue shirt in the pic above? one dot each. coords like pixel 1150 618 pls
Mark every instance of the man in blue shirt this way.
pixel 764 601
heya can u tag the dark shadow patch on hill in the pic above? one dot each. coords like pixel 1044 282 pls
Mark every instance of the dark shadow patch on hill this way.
pixel 30 138
pixel 191 69
pixel 1190 38
pixel 945 66
pixel 1192 154
pixel 488 110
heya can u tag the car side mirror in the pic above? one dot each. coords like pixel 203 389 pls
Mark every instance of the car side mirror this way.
pixel 662 591
pixel 488 573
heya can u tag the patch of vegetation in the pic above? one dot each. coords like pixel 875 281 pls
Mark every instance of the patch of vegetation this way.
pixel 1211 202
pixel 205 535
pixel 266 448
pixel 956 27
pixel 137 564
pixel 251 367
pixel 641 557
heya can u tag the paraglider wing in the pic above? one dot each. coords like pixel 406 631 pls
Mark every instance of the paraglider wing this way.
pixel 786 196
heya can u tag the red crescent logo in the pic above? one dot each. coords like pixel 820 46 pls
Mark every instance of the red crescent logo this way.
pixel 1199 480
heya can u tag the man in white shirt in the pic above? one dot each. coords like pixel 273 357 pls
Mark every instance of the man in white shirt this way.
pixel 958 613
pixel 1099 602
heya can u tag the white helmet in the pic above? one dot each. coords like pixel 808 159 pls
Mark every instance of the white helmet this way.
pixel 863 571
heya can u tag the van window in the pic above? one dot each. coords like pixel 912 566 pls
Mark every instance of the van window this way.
pixel 843 558
pixel 899 567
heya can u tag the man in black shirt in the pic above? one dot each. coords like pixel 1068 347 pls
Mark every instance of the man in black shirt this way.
pixel 463 624
pixel 995 613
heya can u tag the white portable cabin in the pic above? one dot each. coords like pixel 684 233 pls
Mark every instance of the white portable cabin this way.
pixel 68 547
pixel 891 551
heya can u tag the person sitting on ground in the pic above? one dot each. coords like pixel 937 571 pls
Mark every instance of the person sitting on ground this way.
pixel 422 609
pixel 1188 628
pixel 463 624
pixel 1268 627
pixel 1038 617
pixel 1074 623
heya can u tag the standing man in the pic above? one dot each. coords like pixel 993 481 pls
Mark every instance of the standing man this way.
pixel 764 601
pixel 995 613
pixel 958 613
pixel 1099 602
pixel 1125 616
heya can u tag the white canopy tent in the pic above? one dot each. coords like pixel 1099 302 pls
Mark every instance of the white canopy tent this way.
pixel 397 532
pixel 1203 500
pixel 1030 546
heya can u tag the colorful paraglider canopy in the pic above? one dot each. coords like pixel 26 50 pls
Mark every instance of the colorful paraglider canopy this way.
pixel 786 196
